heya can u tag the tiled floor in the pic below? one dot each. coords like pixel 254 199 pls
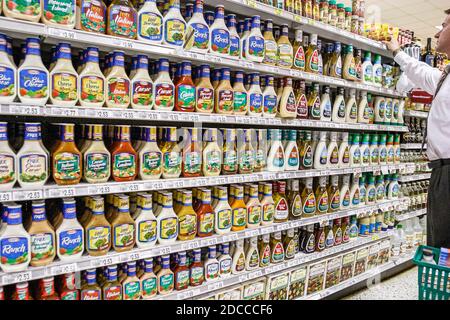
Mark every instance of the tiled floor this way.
pixel 400 287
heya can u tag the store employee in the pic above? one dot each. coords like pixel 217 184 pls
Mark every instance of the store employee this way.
pixel 437 136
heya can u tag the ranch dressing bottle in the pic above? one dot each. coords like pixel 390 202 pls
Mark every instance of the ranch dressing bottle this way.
pixel 321 152
pixel 212 269
pixel 269 98
pixel 287 107
pixel 167 221
pixel 351 108
pixel 8 167
pixel 150 23
pixel 374 151
pixel 174 25
pixel 28 10
pixel 388 113
pixel 380 110
pixel 276 155
pixel 118 83
pixel 252 255
pixel 270 45
pixel 383 149
pixel 32 159
pixel 325 105
pixel 333 151
pixel 8 75
pixel 244 37
pixel 355 193
pixel 364 109
pixel 377 71
pixel 219 34
pixel 292 152
pixel 32 75
pixel 150 156
pixel 355 152
pixel 254 49
pixel 255 96
pixel 225 261
pixel 365 150
pixel 64 79
pixel 338 114
pixel 69 234
pixel 235 40
pixel 15 253
pixel 344 151
pixel 197 30
pixel 59 13
pixel 164 88
pixel 141 85
pixel 91 81
pixel 367 69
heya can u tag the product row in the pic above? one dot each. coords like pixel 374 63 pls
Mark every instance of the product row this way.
pixel 149 153
pixel 121 222
pixel 180 87
pixel 408 236
pixel 419 158
pixel 417 193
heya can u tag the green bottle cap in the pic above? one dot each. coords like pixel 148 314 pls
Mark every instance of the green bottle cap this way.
pixel 356 138
pixel 362 179
pixel 292 135
pixel 380 178
pixel 377 58
pixel 332 2
pixel 397 139
pixel 348 9
pixel 368 56
pixel 383 139
pixel 366 138
pixel 371 179
pixel 374 139
pixel 308 135
pixel 340 5
pixel 390 139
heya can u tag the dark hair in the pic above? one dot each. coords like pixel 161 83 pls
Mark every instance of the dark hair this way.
pixel 447 11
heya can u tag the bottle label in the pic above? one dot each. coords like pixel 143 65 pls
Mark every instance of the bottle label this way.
pixel 321 243
pixel 310 244
pixel 256 46
pixel 368 73
pixel 356 198
pixel 240 102
pixel 64 86
pixel 225 266
pixel 327 109
pixel 293 157
pixel 323 156
pixel 390 156
pixel 247 161
pixel 149 288
pixel 335 202
pixel 278 253
pixel 254 215
pixel 118 91
pixel 151 163
pixel 70 242
pixel 239 217
pixel 182 279
pixel 285 55
pixel 235 48
pixel 146 231
pixel 33 168
pixel 192 162
pixel 374 157
pixel 383 155
pixel 395 190
pixel 33 83
pixel 380 192
pixel 7 83
pixel 338 236
pixel 364 229
pixel 281 210
pixel 346 235
pixel 92 89
pixel 132 290
pixel 122 21
pixel 70 295
pixel 366 156
pixel 346 199
pixel 174 32
pixel 30 8
pixel 225 100
pixel 197 275
pixel 278 160
pixel 323 203
pixel 212 271
pixel 378 76
pixel 309 206
pixel 150 26
pixel 14 250
pixel 67 166
pixel 371 195
pixel 97 165
pixel 302 107
pixel 112 293
pixel 290 103
pixel 381 110
pixel 268 212
pixel 142 93
pixel 188 225
pixel 315 109
pixel 395 110
pixel 164 96
pixel 201 35
pixel 313 63
pixel 166 283
pixel 213 162
pixel 172 162
pixel 93 16
pixel 90 295
pixel 230 161
pixel 307 157
pixel 260 160
pixel 357 156
pixel 334 157
pixel 168 228
pixel 186 97
pixel 205 99
pixel 341 110
pixel 123 235
pixel 265 257
pixel 270 104
pixel 224 219
pixel 7 169
pixel 271 52
pixel 353 111
pixel 124 165
pixel 253 261
pixel 42 246
pixel 299 59
pixel 59 11
pixel 98 238
pixel 296 206
pixel 220 41
pixel 255 103
pixel 206 223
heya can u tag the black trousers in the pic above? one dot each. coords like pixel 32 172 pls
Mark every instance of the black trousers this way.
pixel 438 211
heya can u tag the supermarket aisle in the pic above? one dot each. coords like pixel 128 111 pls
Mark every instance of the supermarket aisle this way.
pixel 400 287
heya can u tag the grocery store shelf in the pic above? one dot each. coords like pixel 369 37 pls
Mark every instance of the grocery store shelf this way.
pixel 355 280
pixel 409 215
pixel 85 189
pixel 412 146
pixel 415 177
pixel 279 16
pixel 416 114
pixel 80 39
pixel 19 109
pixel 87 262
pixel 300 258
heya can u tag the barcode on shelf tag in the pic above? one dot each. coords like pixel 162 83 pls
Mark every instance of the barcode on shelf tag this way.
pixel 215 286
pixel 32 195
pixel 5 196
pixel 61 33
pixel 255 274
pixel 185 295
pixel 252 233
pixel 165 250
pixel 104 261
pixel 19 277
pixel 26 110
pixel 190 245
pixel 67 268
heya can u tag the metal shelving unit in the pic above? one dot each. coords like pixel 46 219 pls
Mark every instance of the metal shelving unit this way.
pixel 412 214
pixel 415 177
pixel 416 114
pixel 412 146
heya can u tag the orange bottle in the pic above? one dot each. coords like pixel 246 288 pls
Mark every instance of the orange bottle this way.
pixel 185 95
pixel 124 157
pixel 205 215
pixel 238 210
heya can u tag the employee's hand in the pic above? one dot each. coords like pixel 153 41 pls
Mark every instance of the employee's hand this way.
pixel 393 45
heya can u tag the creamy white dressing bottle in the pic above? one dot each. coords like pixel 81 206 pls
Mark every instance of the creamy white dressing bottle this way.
pixel 275 157
pixel 118 83
pixel 247 26
pixel 383 149
pixel 197 30
pixel 394 188
pixel 223 212
pixel 8 74
pixel 367 69
pixel 325 105
pixel 388 113
pixel 167 221
pixel 164 88
pixel 141 85
pixel 344 151
pixel 235 39
pixel 64 79
pixel 150 23
pixel 255 97
pixel 252 255
pixel 377 71
pixel 219 34
pixel 91 81
pixel 8 167
pixel 69 234
pixel 355 193
pixel 333 152
pixel 321 152
pixel 212 154
pixel 238 263
pixel 146 224
pixel 395 111
pixel 225 261
pixel 291 152
pixel 363 109
pixel 380 109
pixel 338 114
pixel 355 152
pixel 32 159
pixel 174 25
pixel 269 98
pixel 371 191
pixel 351 108
pixel 254 49
pixel 212 268
pixel 287 107
pixel 362 189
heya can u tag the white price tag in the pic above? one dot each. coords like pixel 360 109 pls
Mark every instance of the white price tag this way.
pixel 133 187
pixel 66 34
pixel 127 114
pixel 185 295
pixel 255 274
pixel 70 112
pixel 190 245
pixel 268 230
pixel 134 256
pixel 292 263
pixel 103 114
pixel 251 233
pixel 68 192
pixel 26 110
pixel 243 278
pixel 20 277
pixel 165 250
pixel 32 195
pixel 5 196
pixel 103 189
pixel 150 115
pixel 231 237
pixel 208 242
pixel 67 268
pixel 107 261
pixel 127 44
pixel 215 286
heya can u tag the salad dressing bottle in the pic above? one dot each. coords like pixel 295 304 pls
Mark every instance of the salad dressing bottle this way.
pixel 270 45
pixel 285 49
pixel 355 198
pixel 150 23
pixel 306 152
pixel 264 251
pixel 294 200
pixel 111 288
pixel 197 30
pixel 212 154
pixel 174 25
pixel 246 153
pixel 281 213
pixel 223 212
pixel 185 93
pixel 150 156
pixel 66 158
pixel 287 106
pixel 325 105
pixel 322 196
pixel 122 19
pixel 355 152
pixel 267 205
pixel 302 101
pixel 238 263
pixel 253 208
pixel 141 85
pixel 252 255
pixel 334 195
pixel 367 69
pixel 240 97
pixel 181 272
pixel 276 156
pixel 204 91
pixel 225 261
pixel 224 94
pixel 365 150
pixel 321 152
pixel 255 97
pixel 167 221
pixel 299 52
pixel 344 151
pixel 219 34
pixel 349 65
pixel 124 157
pixel 131 286
pixel 148 280
pixel 333 151
pixel 230 160
pixel 269 98
pixel 292 152
pixel 97 159
pixel 91 82
pixel 364 109
pixel 243 44
pixel 205 215
pixel 235 39
pixel 123 227
pixel 211 265
pixel 164 88
pixel 8 85
pixel 377 71
pixel 165 277
pixel 8 169
pixel 312 56
pixel 146 224
pixel 197 273
pixel 97 232
pixel 171 154
pixel 29 10
pixel 314 103
pixel 345 192
pixel 238 210
pixel 339 107
pixel 351 108
pixel 276 248
pixel 64 79
pixel 117 83
pixel 254 49
pixel 90 290
pixel 69 234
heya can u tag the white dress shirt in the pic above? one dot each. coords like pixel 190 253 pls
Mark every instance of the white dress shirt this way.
pixel 422 76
